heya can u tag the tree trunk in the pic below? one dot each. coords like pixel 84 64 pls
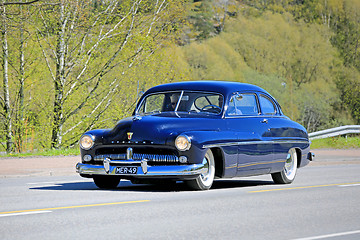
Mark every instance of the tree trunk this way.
pixel 7 110
pixel 21 120
pixel 59 81
pixel 224 17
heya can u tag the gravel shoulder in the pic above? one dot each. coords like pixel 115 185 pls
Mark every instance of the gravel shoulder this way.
pixel 38 166
pixel 336 156
pixel 65 165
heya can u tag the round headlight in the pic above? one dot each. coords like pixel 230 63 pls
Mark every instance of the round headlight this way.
pixel 86 142
pixel 182 143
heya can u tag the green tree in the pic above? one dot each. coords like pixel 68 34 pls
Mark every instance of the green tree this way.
pixel 5 101
pixel 200 18
pixel 13 109
pixel 81 45
pixel 349 86
pixel 293 60
pixel 342 17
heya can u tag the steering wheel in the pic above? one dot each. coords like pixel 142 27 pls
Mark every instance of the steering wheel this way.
pixel 211 107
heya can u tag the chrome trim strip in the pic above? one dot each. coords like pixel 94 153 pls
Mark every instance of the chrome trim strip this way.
pixel 179 100
pixel 128 161
pixel 239 166
pixel 254 142
pixel 171 171
pixel 139 156
pixel 256 116
pixel 292 141
pixel 259 163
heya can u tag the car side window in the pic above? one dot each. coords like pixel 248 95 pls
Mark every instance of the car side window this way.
pixel 153 103
pixel 243 104
pixel 267 105
pixel 209 103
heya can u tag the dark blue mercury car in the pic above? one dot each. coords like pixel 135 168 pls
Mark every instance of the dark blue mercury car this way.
pixel 195 132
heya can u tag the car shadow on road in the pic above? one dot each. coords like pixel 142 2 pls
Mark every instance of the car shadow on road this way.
pixel 231 183
pixel 158 187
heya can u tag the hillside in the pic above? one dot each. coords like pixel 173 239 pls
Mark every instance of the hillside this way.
pixel 308 61
pixel 73 66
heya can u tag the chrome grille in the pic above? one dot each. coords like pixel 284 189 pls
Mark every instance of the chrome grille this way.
pixel 139 156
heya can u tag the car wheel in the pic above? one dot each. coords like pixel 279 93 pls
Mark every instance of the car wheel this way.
pixel 287 175
pixel 205 180
pixel 106 182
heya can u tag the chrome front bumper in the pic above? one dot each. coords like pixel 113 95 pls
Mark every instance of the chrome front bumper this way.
pixel 143 169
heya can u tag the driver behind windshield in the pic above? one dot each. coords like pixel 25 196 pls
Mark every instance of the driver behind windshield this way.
pixel 171 100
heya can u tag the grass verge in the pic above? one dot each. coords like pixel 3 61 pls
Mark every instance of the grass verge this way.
pixel 49 152
pixel 336 143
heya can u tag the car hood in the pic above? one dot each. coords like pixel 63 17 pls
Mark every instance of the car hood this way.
pixel 159 128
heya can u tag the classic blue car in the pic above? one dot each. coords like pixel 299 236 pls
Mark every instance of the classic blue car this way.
pixel 195 132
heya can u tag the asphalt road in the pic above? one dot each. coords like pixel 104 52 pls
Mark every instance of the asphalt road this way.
pixel 322 203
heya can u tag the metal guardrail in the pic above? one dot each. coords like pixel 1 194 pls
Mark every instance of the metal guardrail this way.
pixel 332 132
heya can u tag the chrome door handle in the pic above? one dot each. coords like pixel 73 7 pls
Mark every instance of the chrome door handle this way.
pixel 264 121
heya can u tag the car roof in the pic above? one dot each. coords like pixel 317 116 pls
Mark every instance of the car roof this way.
pixel 223 87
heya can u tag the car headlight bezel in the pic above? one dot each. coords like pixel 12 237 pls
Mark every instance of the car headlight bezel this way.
pixel 87 141
pixel 182 142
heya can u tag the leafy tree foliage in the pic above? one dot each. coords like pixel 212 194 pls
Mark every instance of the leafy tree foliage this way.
pixel 293 60
pixel 207 18
pixel 77 65
pixel 87 54
pixel 343 18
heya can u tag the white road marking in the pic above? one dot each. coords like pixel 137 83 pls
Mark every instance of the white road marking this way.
pixel 305 187
pixel 55 182
pixel 350 185
pixel 23 213
pixel 40 183
pixel 44 210
pixel 330 235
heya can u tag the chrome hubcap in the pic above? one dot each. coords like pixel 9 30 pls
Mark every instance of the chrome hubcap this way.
pixel 208 176
pixel 205 176
pixel 290 164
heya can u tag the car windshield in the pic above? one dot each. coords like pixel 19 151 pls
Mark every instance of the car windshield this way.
pixel 182 101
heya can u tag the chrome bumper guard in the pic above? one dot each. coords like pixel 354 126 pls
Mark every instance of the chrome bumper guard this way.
pixel 143 168
pixel 311 156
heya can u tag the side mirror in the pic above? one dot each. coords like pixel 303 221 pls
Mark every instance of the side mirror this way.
pixel 239 97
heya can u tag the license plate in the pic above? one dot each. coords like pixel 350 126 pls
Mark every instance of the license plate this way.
pixel 126 170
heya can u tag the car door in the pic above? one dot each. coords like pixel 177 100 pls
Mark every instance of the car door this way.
pixel 243 115
pixel 272 118
pixel 284 133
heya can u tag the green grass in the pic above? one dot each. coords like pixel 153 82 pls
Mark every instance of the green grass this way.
pixel 49 152
pixel 336 143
